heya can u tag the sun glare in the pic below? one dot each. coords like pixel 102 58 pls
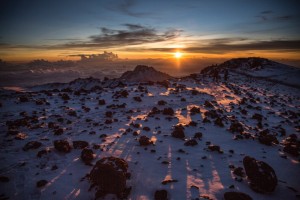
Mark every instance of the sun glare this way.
pixel 177 55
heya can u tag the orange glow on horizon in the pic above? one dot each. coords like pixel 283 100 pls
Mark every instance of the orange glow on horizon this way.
pixel 178 54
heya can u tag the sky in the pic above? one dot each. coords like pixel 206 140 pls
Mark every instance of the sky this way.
pixel 67 29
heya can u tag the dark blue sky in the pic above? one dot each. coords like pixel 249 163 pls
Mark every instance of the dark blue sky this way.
pixel 196 26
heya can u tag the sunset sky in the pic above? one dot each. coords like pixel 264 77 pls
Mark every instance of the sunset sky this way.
pixel 56 29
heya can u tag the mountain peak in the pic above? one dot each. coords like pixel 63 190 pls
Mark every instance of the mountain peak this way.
pixel 143 73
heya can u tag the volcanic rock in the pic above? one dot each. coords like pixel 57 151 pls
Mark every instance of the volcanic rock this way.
pixel 262 176
pixel 62 146
pixel 109 175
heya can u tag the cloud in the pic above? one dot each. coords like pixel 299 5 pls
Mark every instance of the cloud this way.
pixel 133 34
pixel 220 46
pixel 126 7
pixel 266 12
pixel 285 17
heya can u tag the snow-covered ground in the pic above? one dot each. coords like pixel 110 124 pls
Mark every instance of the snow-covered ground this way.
pixel 200 173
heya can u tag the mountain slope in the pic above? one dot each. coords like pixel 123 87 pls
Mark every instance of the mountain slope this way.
pixel 143 73
pixel 260 68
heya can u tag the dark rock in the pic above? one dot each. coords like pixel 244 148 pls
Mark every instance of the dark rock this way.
pixel 146 128
pixel 239 171
pixel 103 135
pixel 79 144
pixel 268 139
pixel 109 175
pixel 161 195
pixel 215 148
pixel 291 149
pixel 258 117
pixel 195 110
pixel 208 104
pixel 211 113
pixel 193 123
pixel 23 99
pixel 178 132
pixel 87 156
pixel 138 99
pixel 219 122
pixel 41 183
pixel 198 135
pixel 236 127
pixel 262 176
pixel 32 145
pixel 236 196
pixel 4 179
pixel 144 141
pixel 191 142
pixel 108 114
pixel 62 146
pixel 161 102
pixel 65 97
pixel 59 131
pixel 101 102
pixel 21 136
pixel 42 152
pixel 168 111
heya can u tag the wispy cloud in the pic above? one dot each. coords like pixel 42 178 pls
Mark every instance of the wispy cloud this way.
pixel 131 34
pixel 126 7
pixel 220 46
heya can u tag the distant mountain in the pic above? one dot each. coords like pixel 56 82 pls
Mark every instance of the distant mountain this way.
pixel 143 73
pixel 260 68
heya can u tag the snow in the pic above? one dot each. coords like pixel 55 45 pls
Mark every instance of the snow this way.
pixel 197 177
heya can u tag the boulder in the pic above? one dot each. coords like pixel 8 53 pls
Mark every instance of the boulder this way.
pixel 41 183
pixel 198 135
pixel 79 144
pixel 236 196
pixel 191 142
pixel 236 127
pixel 168 111
pixel 161 195
pixel 109 175
pixel 101 102
pixel 62 146
pixel 178 132
pixel 32 145
pixel 144 141
pixel 87 156
pixel 262 176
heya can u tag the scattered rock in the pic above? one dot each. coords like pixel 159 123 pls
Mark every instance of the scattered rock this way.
pixel 168 111
pixel 178 132
pixel 87 156
pixel 161 102
pixel 41 183
pixel 191 142
pixel 236 196
pixel 79 144
pixel 144 141
pixel 161 195
pixel 62 146
pixel 138 99
pixel 32 145
pixel 239 171
pixel 4 179
pixel 109 175
pixel 236 127
pixel 262 176
pixel 198 135
pixel 101 102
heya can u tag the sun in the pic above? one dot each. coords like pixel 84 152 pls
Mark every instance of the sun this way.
pixel 178 55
